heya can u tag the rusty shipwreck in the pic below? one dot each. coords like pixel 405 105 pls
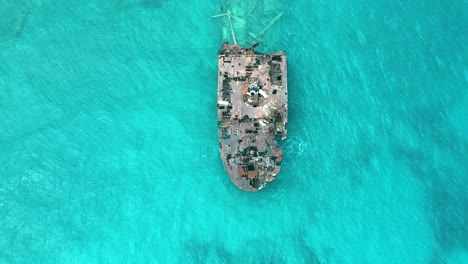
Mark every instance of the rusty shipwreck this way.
pixel 252 114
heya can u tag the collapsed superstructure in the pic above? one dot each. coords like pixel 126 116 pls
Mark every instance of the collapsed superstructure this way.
pixel 252 114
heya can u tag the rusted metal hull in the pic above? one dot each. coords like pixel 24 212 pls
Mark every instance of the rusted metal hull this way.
pixel 252 114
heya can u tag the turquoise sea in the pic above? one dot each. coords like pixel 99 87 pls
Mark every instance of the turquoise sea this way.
pixel 109 148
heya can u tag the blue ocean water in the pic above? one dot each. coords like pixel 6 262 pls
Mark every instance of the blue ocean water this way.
pixel 109 149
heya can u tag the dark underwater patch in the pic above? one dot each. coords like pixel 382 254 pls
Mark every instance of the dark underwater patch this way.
pixel 449 217
pixel 198 251
pixel 152 3
pixel 446 202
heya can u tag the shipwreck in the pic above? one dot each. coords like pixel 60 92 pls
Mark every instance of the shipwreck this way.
pixel 252 94
pixel 252 114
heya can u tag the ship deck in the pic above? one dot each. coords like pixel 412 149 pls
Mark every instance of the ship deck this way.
pixel 252 114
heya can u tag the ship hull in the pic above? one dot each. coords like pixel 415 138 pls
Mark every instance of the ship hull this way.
pixel 252 114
